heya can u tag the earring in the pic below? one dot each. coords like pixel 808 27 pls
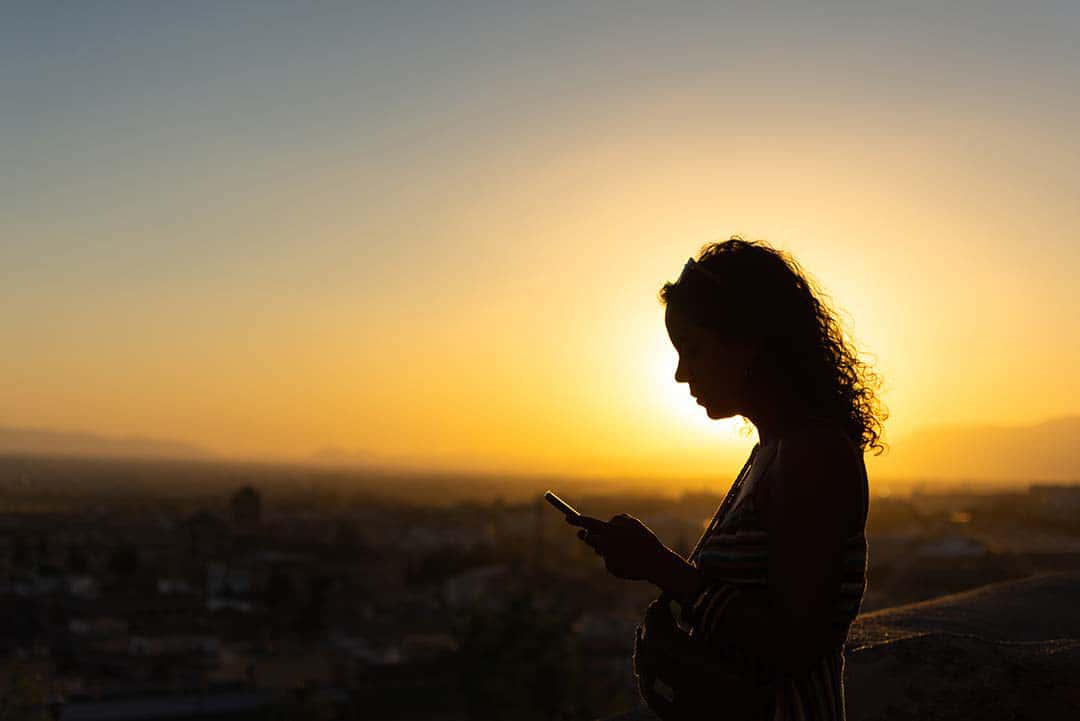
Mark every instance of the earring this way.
pixel 746 382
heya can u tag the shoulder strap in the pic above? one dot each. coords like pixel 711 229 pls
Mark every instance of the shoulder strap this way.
pixel 732 493
pixel 754 476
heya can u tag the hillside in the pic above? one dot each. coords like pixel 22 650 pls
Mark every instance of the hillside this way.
pixel 1005 651
pixel 991 454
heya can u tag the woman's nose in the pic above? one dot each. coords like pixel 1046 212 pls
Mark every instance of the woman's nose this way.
pixel 680 373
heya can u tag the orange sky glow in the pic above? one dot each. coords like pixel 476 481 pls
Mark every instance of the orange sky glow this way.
pixel 468 279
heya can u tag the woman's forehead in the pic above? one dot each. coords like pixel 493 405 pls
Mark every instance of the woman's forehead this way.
pixel 679 325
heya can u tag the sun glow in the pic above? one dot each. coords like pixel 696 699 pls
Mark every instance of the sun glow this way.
pixel 435 264
pixel 675 403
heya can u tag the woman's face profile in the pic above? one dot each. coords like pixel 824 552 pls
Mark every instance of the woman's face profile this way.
pixel 713 369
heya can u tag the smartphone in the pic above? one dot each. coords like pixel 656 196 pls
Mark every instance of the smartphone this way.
pixel 572 515
pixel 560 504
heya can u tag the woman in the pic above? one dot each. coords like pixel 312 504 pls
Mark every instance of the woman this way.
pixel 769 592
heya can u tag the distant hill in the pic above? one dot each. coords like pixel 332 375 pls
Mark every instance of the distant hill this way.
pixel 991 455
pixel 1045 451
pixel 59 443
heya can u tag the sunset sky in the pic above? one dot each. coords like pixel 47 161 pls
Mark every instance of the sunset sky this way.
pixel 433 234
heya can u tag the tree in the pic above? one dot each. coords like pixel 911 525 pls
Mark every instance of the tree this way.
pixel 25 698
pixel 520 660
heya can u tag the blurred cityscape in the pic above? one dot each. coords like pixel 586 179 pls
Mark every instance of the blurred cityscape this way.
pixel 128 594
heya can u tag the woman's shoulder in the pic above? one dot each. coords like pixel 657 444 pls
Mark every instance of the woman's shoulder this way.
pixel 817 441
pixel 817 469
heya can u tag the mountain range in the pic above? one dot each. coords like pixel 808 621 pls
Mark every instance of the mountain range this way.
pixel 995 454
pixel 1043 451
pixel 40 441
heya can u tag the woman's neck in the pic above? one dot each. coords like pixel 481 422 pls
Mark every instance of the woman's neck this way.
pixel 774 420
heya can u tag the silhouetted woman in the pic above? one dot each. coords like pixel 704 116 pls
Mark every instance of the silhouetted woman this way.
pixel 753 624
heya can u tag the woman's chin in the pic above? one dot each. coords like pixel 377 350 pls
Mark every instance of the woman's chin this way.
pixel 717 412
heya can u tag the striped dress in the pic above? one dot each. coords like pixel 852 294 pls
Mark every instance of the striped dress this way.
pixel 733 555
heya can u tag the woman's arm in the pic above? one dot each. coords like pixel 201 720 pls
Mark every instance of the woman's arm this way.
pixel 678 579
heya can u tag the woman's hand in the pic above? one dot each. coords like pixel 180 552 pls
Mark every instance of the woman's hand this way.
pixel 629 548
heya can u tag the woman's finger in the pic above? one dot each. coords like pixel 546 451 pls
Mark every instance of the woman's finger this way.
pixel 587 522
pixel 616 569
pixel 590 539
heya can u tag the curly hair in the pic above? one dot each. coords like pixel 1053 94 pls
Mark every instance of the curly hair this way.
pixel 763 293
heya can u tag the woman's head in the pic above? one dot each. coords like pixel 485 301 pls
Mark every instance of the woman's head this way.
pixel 747 321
